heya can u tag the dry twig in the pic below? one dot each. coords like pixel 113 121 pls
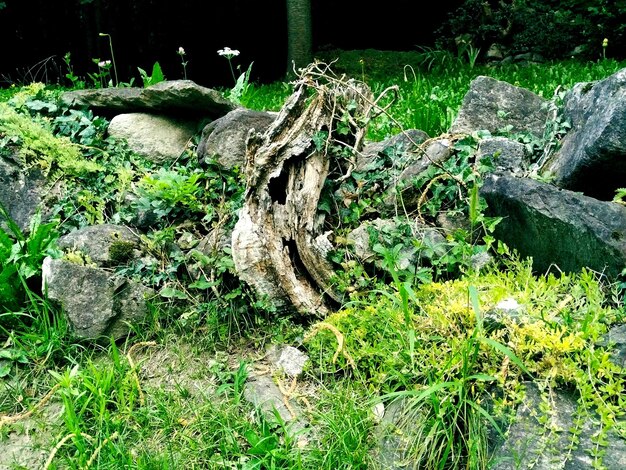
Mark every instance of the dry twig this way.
pixel 340 341
pixel 133 367
pixel 59 445
pixel 26 414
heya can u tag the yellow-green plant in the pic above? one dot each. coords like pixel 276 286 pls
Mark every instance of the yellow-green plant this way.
pixel 38 146
pixel 434 348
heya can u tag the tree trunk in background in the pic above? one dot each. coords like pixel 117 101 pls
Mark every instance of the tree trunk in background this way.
pixel 299 35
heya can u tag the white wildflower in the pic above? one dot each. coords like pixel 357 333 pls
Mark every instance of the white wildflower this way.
pixel 181 51
pixel 228 52
pixel 104 63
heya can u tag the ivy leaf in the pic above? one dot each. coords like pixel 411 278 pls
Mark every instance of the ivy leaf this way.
pixel 39 105
pixel 171 293
pixel 201 284
pixel 5 368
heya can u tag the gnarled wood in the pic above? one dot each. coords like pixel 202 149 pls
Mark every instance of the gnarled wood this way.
pixel 280 245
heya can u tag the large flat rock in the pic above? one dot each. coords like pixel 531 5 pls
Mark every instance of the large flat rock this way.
pixel 556 227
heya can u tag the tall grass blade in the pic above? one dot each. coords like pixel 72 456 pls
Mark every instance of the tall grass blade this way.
pixel 507 352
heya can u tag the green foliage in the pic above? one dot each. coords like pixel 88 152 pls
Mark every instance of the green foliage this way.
pixel 97 400
pixel 431 336
pixel 433 82
pixel 184 192
pixel 620 193
pixel 71 146
pixel 241 86
pixel 344 419
pixel 80 126
pixel 270 97
pixel 7 93
pixel 75 81
pixel 156 76
pixel 102 78
pixel 402 249
pixel 530 26
pixel 110 418
pixel 169 193
pixel 31 332
pixel 21 257
pixel 435 348
pixel 33 136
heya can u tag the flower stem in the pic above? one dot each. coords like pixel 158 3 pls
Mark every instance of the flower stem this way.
pixel 232 72
pixel 112 56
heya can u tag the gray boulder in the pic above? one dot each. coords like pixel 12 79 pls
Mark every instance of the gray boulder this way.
pixel 398 147
pixel 106 245
pixel 557 227
pixel 361 241
pixel 492 105
pixel 506 154
pixel 402 192
pixel 157 138
pixel 22 192
pixel 616 340
pixel 287 359
pixel 264 394
pixel 591 158
pixel 225 138
pixel 98 304
pixel 530 444
pixel 173 97
pixel 392 442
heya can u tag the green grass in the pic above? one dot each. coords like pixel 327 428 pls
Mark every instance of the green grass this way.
pixel 432 84
pixel 176 399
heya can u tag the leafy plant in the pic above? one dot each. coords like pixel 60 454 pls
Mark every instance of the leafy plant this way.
pixel 241 86
pixel 80 126
pixel 76 82
pixel 21 257
pixel 168 192
pixel 620 193
pixel 406 251
pixel 156 76
pixel 434 347
pixel 102 78
pixel 38 145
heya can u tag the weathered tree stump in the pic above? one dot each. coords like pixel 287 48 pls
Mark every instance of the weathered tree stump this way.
pixel 281 241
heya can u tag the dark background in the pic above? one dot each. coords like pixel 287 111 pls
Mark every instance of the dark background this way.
pixel 37 34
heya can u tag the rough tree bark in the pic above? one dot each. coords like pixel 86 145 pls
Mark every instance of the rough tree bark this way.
pixel 299 36
pixel 280 242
